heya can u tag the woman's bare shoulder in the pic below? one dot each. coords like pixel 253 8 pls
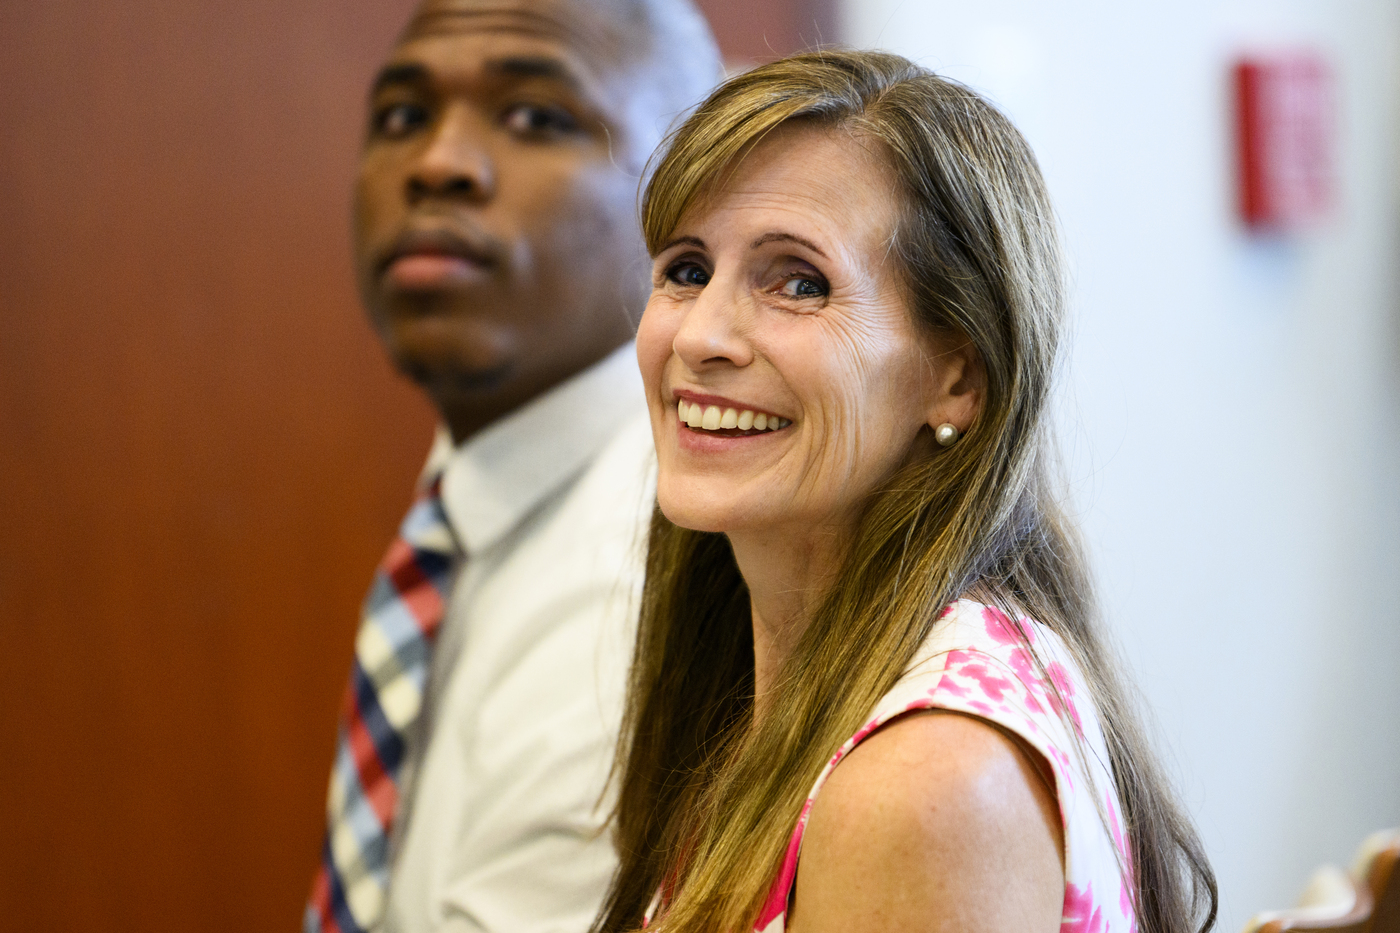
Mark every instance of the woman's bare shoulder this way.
pixel 937 822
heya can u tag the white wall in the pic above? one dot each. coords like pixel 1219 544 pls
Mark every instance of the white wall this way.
pixel 1230 409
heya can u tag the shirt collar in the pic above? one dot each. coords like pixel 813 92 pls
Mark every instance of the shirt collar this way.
pixel 495 478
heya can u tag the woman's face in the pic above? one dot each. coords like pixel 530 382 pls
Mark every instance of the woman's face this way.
pixel 784 374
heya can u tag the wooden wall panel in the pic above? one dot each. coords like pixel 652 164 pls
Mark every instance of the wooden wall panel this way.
pixel 202 450
pixel 761 30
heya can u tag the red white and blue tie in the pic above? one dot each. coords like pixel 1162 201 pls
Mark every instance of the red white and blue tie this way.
pixel 402 614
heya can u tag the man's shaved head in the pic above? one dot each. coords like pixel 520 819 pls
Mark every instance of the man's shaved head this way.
pixel 671 40
pixel 662 50
pixel 497 237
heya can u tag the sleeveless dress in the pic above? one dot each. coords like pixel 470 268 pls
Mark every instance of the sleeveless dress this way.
pixel 974 662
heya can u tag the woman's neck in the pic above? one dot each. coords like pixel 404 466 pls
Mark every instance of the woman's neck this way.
pixel 787 575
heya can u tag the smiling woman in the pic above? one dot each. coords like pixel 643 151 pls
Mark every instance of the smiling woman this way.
pixel 781 298
pixel 868 692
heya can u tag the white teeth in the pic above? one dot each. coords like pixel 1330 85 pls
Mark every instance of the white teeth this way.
pixel 714 418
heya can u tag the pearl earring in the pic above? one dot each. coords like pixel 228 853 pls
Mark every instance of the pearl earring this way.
pixel 946 435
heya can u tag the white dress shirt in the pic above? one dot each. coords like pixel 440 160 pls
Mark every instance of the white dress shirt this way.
pixel 502 822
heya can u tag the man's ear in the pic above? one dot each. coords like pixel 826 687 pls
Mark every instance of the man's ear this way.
pixel 957 384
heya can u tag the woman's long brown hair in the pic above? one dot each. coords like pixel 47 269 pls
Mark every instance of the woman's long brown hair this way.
pixel 708 799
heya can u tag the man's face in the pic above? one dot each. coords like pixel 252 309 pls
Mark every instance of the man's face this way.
pixel 496 239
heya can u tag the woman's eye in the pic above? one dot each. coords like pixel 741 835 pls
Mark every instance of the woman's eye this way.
pixel 539 120
pixel 689 274
pixel 398 120
pixel 801 286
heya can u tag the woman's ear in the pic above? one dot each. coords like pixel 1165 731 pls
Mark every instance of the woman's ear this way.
pixel 957 383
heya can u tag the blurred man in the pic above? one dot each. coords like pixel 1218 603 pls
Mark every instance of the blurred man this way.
pixel 501 264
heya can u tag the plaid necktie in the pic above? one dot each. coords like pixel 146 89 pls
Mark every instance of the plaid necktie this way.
pixel 401 617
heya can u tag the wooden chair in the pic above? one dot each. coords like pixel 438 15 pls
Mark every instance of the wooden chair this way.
pixel 1365 901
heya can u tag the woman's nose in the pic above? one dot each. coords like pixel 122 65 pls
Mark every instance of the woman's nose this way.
pixel 455 164
pixel 712 333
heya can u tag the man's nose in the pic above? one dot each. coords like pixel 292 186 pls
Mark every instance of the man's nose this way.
pixel 713 331
pixel 456 163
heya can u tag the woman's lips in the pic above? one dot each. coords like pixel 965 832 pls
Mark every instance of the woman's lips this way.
pixel 733 420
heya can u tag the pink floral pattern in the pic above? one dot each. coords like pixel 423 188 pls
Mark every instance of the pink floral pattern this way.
pixel 979 661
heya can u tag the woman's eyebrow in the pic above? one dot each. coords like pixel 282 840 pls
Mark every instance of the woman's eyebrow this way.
pixel 787 238
pixel 690 240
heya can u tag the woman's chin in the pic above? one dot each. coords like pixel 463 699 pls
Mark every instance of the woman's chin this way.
pixel 693 516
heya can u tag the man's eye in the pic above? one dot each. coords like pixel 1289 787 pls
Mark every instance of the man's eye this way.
pixel 688 274
pixel 538 120
pixel 801 286
pixel 398 120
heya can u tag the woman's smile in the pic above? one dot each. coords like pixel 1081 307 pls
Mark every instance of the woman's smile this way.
pixel 711 425
pixel 736 419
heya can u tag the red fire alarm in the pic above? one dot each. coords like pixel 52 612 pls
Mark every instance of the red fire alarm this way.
pixel 1283 108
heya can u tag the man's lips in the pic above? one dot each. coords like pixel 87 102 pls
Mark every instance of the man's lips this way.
pixel 424 271
pixel 438 258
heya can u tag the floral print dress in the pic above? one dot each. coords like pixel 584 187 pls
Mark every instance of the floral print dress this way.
pixel 975 662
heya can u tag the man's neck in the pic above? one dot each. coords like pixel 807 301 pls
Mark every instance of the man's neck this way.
pixel 467 409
